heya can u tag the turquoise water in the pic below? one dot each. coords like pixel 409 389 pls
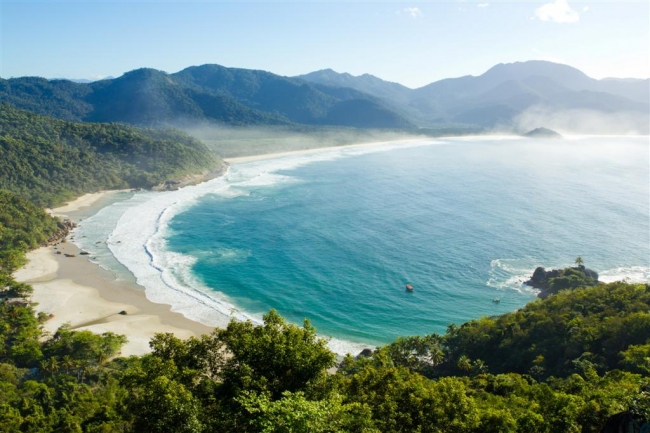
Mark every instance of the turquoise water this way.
pixel 335 239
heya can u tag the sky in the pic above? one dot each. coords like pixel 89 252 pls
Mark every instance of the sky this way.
pixel 409 42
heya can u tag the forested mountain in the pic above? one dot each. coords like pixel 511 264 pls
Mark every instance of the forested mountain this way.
pixel 520 96
pixel 208 92
pixel 511 97
pixel 48 160
pixel 364 83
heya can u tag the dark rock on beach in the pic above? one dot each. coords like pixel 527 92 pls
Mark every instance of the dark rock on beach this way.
pixel 65 227
pixel 365 353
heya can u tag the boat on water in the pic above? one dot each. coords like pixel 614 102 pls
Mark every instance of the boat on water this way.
pixel 496 300
pixel 409 287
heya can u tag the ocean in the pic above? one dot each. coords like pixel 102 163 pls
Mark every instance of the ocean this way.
pixel 335 236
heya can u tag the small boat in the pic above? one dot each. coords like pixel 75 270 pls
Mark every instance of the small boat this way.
pixel 496 300
pixel 409 287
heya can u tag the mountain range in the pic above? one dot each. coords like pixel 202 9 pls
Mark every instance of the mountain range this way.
pixel 508 97
pixel 502 96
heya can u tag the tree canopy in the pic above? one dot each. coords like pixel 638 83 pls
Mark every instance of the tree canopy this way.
pixel 48 161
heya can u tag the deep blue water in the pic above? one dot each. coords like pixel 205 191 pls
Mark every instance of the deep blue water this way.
pixel 464 222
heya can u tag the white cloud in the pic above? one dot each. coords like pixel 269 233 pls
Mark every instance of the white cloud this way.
pixel 414 12
pixel 585 9
pixel 483 5
pixel 558 11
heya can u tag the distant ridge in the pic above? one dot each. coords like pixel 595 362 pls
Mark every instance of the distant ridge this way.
pixel 508 97
pixel 82 80
pixel 365 83
pixel 209 92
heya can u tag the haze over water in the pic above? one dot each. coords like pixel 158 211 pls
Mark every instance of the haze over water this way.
pixel 336 236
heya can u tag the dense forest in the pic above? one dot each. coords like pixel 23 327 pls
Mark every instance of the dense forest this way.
pixel 48 161
pixel 568 363
pixel 502 98
pixel 203 93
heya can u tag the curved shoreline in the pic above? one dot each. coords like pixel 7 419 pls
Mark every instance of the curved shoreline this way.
pixel 82 293
pixel 90 296
pixel 77 291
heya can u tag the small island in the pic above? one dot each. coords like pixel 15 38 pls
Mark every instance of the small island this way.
pixel 543 133
pixel 551 282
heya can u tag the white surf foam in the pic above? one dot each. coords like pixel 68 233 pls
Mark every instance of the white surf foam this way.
pixel 630 274
pixel 510 274
pixel 343 347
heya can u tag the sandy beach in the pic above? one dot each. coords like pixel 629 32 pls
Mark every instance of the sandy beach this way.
pixel 243 159
pixel 85 201
pixel 76 291
pixel 72 289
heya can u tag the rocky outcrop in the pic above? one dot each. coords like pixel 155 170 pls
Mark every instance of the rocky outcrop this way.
pixel 365 353
pixel 65 227
pixel 542 279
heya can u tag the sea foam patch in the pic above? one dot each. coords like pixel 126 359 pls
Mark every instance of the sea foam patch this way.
pixel 630 274
pixel 510 274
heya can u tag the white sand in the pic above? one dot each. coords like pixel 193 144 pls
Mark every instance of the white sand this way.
pixel 84 201
pixel 242 159
pixel 73 290
pixel 84 309
pixel 42 266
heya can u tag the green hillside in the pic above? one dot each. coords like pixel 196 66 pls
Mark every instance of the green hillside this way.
pixel 273 378
pixel 48 161
pixel 214 93
pixel 586 327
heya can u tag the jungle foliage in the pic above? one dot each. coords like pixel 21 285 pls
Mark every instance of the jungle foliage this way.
pixel 273 377
pixel 48 161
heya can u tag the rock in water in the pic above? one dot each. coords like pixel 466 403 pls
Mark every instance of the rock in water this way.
pixel 543 133
pixel 550 282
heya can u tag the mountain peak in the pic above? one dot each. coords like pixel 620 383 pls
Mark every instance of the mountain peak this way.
pixel 534 67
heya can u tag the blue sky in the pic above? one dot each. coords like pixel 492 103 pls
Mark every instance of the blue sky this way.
pixel 413 43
